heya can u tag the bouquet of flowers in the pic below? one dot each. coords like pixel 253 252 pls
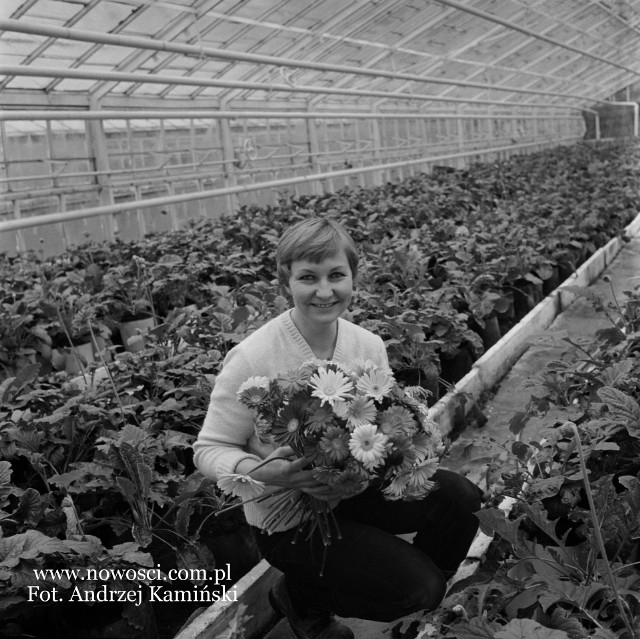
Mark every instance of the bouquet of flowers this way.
pixel 356 427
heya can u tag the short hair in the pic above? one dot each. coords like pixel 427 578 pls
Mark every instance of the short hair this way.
pixel 314 239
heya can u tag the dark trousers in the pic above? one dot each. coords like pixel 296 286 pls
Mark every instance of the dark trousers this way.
pixel 370 573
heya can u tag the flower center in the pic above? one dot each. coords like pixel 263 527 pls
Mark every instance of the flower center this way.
pixel 293 424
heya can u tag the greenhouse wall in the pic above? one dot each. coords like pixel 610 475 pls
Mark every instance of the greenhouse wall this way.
pixel 57 166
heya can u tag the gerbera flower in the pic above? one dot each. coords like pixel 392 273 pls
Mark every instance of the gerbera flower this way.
pixel 375 384
pixel 319 416
pixel 326 474
pixel 419 480
pixel 340 409
pixel 396 419
pixel 360 411
pixel 397 487
pixel 361 366
pixel 350 482
pixel 330 386
pixel 257 381
pixel 367 445
pixel 404 454
pixel 253 396
pixel 288 425
pixel 241 486
pixel 293 381
pixel 335 444
pixel 428 443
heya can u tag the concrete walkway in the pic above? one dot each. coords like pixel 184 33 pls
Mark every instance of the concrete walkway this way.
pixel 581 322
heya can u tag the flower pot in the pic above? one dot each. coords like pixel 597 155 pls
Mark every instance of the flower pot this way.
pixel 78 357
pixel 131 333
pixel 74 359
pixel 454 368
pixel 565 271
pixel 525 296
pixel 490 333
pixel 551 283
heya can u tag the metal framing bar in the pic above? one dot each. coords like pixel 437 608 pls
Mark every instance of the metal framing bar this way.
pixel 237 56
pixel 262 115
pixel 510 25
pixel 119 76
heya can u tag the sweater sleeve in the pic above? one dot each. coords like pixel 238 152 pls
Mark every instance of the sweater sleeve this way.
pixel 224 438
pixel 384 357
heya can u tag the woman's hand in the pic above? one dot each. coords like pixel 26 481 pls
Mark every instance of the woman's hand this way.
pixel 287 473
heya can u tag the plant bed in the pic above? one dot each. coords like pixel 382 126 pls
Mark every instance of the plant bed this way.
pixel 564 562
pixel 120 446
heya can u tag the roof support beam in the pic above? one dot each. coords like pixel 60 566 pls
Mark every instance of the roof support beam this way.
pixel 180 80
pixel 602 78
pixel 539 36
pixel 118 76
pixel 385 49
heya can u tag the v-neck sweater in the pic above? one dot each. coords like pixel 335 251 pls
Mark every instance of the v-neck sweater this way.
pixel 227 436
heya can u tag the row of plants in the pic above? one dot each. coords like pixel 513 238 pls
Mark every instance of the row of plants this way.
pixel 96 464
pixel 565 562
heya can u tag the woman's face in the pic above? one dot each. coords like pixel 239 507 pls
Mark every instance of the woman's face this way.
pixel 321 291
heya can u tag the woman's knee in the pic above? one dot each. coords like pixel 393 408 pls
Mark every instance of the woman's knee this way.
pixel 461 491
pixel 414 597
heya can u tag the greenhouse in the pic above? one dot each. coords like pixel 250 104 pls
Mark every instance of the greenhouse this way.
pixel 263 263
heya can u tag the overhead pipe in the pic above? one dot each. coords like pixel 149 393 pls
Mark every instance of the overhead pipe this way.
pixel 388 48
pixel 38 220
pixel 240 56
pixel 121 76
pixel 516 27
pixel 152 114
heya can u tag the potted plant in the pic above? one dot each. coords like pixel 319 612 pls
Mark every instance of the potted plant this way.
pixel 126 295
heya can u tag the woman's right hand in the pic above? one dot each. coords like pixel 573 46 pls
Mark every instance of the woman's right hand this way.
pixel 287 473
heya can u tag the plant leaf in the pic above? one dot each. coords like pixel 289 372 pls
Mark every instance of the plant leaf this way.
pixel 547 487
pixel 528 629
pixel 621 406
pixel 477 628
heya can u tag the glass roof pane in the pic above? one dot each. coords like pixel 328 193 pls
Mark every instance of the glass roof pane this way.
pixel 104 17
pixel 8 7
pixel 53 10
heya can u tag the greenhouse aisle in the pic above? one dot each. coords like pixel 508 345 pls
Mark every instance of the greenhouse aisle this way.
pixel 581 321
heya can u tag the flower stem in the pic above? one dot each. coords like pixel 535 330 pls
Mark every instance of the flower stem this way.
pixel 598 535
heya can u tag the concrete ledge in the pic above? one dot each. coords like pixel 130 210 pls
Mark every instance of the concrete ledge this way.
pixel 489 369
pixel 251 591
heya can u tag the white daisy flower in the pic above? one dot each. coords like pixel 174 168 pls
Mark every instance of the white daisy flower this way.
pixel 376 384
pixel 397 487
pixel 367 445
pixel 240 485
pixel 360 411
pixel 330 386
pixel 361 366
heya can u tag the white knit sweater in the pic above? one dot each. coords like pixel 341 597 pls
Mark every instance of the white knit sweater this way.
pixel 227 436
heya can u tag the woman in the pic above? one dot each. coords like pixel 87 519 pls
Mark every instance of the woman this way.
pixel 369 573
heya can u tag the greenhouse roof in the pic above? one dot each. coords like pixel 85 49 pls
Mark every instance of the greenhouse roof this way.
pixel 369 55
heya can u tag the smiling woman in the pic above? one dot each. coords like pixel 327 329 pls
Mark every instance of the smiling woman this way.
pixel 321 294
pixel 317 262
